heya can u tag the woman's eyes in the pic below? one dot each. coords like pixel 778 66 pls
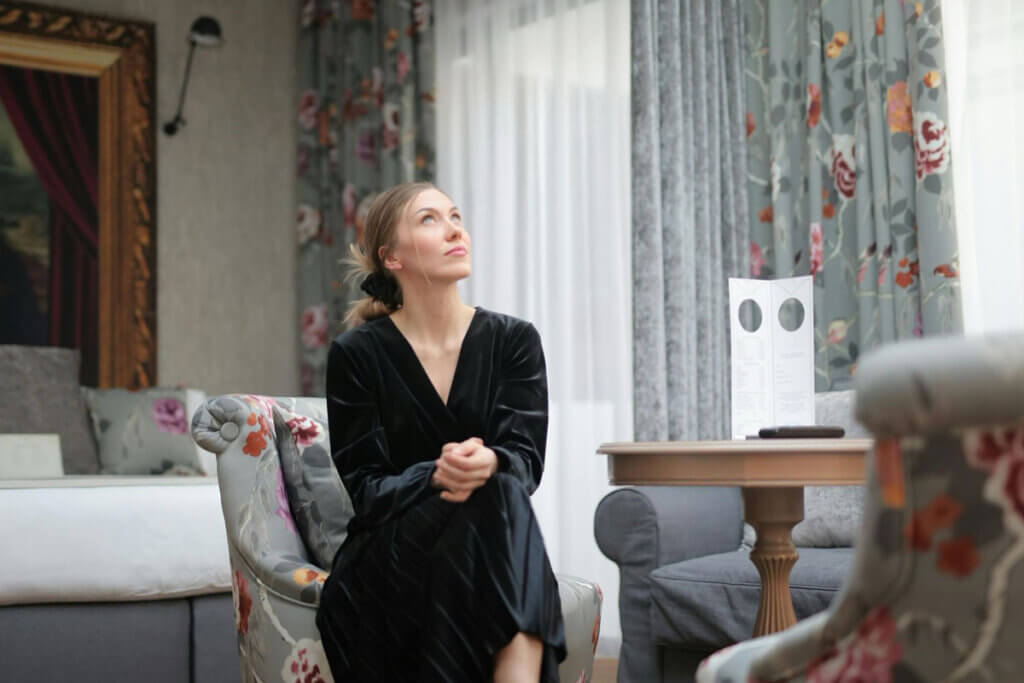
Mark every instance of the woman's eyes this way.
pixel 456 218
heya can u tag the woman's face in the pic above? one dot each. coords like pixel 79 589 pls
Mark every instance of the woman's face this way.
pixel 431 243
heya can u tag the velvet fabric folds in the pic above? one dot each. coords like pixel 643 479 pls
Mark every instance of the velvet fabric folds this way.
pixel 423 589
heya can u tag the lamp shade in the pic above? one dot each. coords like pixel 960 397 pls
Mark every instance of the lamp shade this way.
pixel 205 31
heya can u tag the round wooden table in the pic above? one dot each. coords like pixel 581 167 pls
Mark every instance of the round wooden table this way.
pixel 772 474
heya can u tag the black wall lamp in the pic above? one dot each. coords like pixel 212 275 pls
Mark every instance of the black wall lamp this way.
pixel 205 31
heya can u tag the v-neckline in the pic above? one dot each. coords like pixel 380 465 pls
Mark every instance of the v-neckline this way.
pixel 424 375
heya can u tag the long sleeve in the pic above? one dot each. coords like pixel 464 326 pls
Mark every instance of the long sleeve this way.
pixel 518 427
pixel 359 446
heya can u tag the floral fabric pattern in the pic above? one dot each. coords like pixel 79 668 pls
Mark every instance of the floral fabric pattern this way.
pixel 256 440
pixel 1000 453
pixel 305 431
pixel 241 600
pixel 303 576
pixel 282 510
pixel 169 415
pixel 307 663
pixel 867 656
pixel 849 174
pixel 315 326
pixel 365 121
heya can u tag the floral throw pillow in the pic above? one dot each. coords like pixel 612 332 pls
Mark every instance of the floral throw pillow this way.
pixel 145 432
pixel 315 494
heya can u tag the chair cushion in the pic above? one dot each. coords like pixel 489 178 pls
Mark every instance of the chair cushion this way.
pixel 319 503
pixel 710 602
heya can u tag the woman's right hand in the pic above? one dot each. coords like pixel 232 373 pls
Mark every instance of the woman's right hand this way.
pixel 463 468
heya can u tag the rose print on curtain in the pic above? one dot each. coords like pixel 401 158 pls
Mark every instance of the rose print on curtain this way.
pixel 365 119
pixel 849 172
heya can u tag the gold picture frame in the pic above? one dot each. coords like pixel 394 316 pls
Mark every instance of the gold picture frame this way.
pixel 121 55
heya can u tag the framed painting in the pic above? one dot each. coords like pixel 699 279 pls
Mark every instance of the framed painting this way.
pixel 78 189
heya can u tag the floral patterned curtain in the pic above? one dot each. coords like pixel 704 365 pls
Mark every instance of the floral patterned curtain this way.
pixel 849 175
pixel 365 120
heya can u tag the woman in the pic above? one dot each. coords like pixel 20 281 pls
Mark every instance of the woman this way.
pixel 438 418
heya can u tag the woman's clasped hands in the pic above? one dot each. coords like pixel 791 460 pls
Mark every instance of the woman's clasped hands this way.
pixel 463 468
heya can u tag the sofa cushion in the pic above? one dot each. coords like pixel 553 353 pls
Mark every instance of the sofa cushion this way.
pixel 40 394
pixel 144 432
pixel 710 602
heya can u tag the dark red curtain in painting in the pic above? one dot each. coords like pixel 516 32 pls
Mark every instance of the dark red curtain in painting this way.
pixel 56 118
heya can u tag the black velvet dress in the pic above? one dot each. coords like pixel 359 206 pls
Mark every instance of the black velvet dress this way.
pixel 424 589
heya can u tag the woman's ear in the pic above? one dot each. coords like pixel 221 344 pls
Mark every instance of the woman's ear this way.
pixel 388 259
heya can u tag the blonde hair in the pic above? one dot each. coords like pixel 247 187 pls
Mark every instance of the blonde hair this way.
pixel 379 230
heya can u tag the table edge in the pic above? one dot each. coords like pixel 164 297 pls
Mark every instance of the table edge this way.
pixel 736 447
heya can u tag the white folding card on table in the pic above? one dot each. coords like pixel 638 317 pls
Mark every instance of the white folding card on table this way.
pixel 772 336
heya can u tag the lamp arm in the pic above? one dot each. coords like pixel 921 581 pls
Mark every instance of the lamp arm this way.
pixel 172 126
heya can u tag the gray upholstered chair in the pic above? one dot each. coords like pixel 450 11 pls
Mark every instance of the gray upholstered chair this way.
pixel 937 588
pixel 285 511
pixel 687 586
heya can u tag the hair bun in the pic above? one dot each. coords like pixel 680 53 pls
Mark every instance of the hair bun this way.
pixel 381 287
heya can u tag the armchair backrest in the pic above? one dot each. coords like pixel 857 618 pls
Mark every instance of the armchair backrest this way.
pixel 317 498
pixel 941 546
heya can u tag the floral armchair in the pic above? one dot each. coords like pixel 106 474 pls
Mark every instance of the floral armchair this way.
pixel 937 589
pixel 285 511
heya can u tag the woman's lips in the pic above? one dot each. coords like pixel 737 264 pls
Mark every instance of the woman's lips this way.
pixel 456 251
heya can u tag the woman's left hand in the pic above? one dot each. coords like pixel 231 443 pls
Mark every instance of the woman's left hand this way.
pixel 463 468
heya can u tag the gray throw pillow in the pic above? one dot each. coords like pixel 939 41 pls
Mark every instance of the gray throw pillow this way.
pixel 832 517
pixel 835 408
pixel 832 514
pixel 319 503
pixel 39 394
pixel 143 432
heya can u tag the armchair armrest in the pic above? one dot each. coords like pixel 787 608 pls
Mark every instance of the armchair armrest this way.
pixel 643 528
pixel 262 537
pixel 658 525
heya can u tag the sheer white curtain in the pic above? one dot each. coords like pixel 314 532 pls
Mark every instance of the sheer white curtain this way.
pixel 985 72
pixel 533 145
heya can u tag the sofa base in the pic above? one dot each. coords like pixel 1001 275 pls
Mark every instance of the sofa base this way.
pixel 158 641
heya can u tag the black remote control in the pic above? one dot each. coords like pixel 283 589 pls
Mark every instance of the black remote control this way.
pixel 801 432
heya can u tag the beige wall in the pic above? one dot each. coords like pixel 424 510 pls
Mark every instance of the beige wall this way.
pixel 226 250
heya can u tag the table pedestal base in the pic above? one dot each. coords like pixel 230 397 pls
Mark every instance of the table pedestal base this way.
pixel 773 512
